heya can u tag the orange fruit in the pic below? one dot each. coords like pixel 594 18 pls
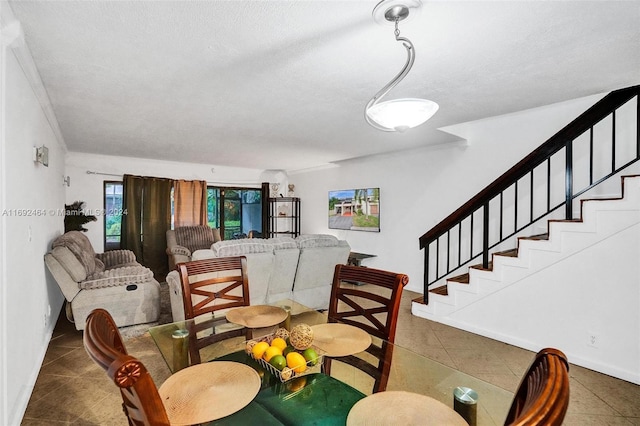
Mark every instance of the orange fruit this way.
pixel 259 349
pixel 271 352
pixel 296 362
pixel 279 342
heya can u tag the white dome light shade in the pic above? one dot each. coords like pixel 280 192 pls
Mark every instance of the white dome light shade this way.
pixel 402 114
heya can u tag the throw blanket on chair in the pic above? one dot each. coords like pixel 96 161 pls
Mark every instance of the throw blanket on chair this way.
pixel 81 248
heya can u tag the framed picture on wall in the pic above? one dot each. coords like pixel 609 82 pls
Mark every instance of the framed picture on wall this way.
pixel 355 209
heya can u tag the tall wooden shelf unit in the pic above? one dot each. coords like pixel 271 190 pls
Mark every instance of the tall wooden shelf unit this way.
pixel 284 217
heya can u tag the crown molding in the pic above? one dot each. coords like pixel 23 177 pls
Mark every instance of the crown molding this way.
pixel 13 38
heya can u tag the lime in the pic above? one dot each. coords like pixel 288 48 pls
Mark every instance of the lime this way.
pixel 278 361
pixel 311 356
pixel 288 350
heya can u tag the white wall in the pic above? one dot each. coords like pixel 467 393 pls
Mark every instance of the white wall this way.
pixel 89 187
pixel 418 188
pixel 589 293
pixel 30 299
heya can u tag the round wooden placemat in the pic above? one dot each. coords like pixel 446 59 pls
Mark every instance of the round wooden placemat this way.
pixel 257 316
pixel 205 392
pixel 402 408
pixel 337 339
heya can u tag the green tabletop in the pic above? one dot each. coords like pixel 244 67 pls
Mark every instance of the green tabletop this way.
pixel 280 403
pixel 313 399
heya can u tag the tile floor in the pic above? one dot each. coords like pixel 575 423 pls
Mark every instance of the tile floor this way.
pixel 71 389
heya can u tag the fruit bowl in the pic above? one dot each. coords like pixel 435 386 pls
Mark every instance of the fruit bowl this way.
pixel 302 362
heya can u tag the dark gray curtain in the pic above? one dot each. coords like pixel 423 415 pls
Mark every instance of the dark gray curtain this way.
pixel 147 201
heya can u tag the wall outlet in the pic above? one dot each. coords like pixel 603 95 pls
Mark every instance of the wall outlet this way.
pixel 593 340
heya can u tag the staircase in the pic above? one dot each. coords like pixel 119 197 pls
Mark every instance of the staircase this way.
pixel 599 220
pixel 573 279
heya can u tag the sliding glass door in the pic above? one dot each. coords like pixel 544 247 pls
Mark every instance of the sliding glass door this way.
pixel 236 211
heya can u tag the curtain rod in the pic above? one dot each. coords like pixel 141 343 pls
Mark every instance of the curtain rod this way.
pixel 89 172
pixel 234 183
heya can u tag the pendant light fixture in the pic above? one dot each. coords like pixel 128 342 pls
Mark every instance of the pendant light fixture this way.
pixel 405 113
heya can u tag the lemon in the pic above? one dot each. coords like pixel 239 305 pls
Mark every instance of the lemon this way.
pixel 279 342
pixel 270 352
pixel 296 362
pixel 259 349
pixel 279 362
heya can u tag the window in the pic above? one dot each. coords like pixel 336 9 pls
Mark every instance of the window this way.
pixel 237 212
pixel 112 214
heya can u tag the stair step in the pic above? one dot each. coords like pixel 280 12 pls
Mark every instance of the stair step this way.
pixel 419 299
pixel 537 237
pixel 442 290
pixel 464 278
pixel 510 253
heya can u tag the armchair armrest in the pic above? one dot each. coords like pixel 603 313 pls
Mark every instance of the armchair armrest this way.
pixel 178 250
pixel 118 276
pixel 114 258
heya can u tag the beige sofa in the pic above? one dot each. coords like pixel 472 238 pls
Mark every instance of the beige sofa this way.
pixel 300 269
pixel 112 280
pixel 184 240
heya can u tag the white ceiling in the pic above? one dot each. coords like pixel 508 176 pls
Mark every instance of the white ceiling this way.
pixel 283 84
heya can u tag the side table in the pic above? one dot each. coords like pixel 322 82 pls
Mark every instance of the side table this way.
pixel 356 258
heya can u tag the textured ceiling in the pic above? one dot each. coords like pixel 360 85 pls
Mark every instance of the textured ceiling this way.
pixel 283 84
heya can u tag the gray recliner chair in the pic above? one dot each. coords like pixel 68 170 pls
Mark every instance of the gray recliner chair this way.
pixel 113 280
pixel 184 240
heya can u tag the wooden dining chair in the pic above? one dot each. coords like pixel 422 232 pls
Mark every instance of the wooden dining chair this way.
pixel 369 299
pixel 542 397
pixel 208 287
pixel 141 402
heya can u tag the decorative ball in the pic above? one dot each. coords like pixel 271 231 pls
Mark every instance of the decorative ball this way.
pixel 301 337
pixel 286 373
pixel 249 346
pixel 282 333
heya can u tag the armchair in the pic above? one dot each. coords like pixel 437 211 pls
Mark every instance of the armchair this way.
pixel 184 240
pixel 114 281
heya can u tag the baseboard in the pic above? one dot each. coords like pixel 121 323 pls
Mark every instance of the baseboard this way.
pixel 16 416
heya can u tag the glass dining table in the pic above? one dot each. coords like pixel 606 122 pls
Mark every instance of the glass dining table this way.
pixel 315 398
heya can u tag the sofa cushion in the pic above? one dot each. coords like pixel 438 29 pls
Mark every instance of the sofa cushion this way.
pixel 117 258
pixel 283 243
pixel 62 274
pixel 239 247
pixel 118 276
pixel 69 263
pixel 317 240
